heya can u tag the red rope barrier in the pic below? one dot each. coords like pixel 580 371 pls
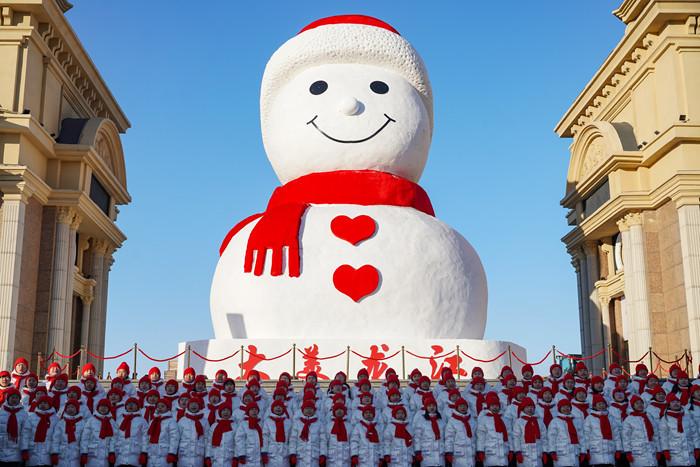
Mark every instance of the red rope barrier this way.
pixel 590 357
pixel 215 360
pixel 160 359
pixel 515 356
pixel 377 359
pixel 620 360
pixel 671 361
pixel 432 356
pixel 111 357
pixel 74 354
pixel 483 361
pixel 261 357
pixel 320 358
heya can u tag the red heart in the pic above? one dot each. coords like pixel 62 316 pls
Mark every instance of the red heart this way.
pixel 356 283
pixel 353 230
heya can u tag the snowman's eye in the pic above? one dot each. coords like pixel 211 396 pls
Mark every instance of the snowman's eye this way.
pixel 380 87
pixel 318 87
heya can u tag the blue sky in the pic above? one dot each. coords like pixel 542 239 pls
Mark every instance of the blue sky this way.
pixel 188 77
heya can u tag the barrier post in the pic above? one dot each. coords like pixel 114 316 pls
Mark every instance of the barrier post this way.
pixel 53 355
pixel 459 368
pixel 83 356
pixel 651 361
pixel 510 357
pixel 610 354
pixel 403 362
pixel 294 360
pixel 136 351
pixel 39 363
pixel 347 362
pixel 242 361
pixel 685 356
pixel 188 356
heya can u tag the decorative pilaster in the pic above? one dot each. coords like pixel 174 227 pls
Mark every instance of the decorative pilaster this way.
pixel 85 325
pixel 107 266
pixel 636 291
pixel 689 226
pixel 59 279
pixel 72 256
pixel 595 316
pixel 11 240
pixel 579 263
pixel 99 249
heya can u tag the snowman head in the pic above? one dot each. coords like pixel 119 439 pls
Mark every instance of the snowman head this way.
pixel 346 93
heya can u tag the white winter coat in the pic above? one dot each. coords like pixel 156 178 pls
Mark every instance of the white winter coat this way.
pixel 559 441
pixel 277 452
pixel 309 451
pixel 129 449
pixel 39 451
pixel 69 453
pixel 192 447
pixel 462 447
pixel 248 443
pixel 424 440
pixel 636 441
pixel 602 451
pixel 366 451
pixel 95 447
pixel 168 441
pixel 490 442
pixel 10 449
pixel 221 455
pixel 337 452
pixel 680 445
pixel 532 452
pixel 401 455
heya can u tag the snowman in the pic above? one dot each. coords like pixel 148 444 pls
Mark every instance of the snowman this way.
pixel 349 245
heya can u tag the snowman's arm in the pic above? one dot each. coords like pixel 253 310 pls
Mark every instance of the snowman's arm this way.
pixel 235 230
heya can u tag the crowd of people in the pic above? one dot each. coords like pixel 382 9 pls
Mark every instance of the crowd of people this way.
pixel 560 420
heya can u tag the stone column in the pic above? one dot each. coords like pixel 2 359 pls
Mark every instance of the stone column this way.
pixel 107 266
pixel 11 240
pixel 689 225
pixel 59 279
pixel 590 249
pixel 99 248
pixel 72 255
pixel 579 263
pixel 636 291
pixel 85 325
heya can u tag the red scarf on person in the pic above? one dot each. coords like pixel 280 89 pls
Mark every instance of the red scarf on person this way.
pixel 647 424
pixel 154 428
pixel 70 428
pixel 115 407
pixel 661 406
pixel 339 429
pixel 304 436
pixel 179 414
pixel 43 426
pixel 371 431
pixel 582 406
pixel 465 420
pixel 197 419
pixel 228 397
pixel 622 407
pixel 56 395
pixel 211 418
pixel 254 424
pixel 105 426
pixel 280 436
pixel 605 428
pixel 498 424
pixel 642 382
pixel 12 425
pixel 148 412
pixel 532 429
pixel 435 426
pixel 18 378
pixel 278 226
pixel 547 410
pixel 480 401
pixel 90 399
pixel 554 384
pixel 573 434
pixel 125 426
pixel 222 426
pixel 684 395
pixel 30 393
pixel 679 419
pixel 402 433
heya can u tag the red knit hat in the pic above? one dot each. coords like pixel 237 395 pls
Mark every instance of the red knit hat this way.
pixel 221 372
pixel 478 380
pixel 415 372
pixel 562 402
pixel 614 366
pixel 189 371
pixel 145 379
pixel 639 367
pixel 580 366
pixel 634 399
pixel 123 366
pixel 340 406
pixel 597 379
pixel 597 398
pixel 369 408
pixel 104 403
pixel 492 399
pixel 543 390
pixel 214 392
pixel 398 408
pixel 428 399
pixel 527 401
pixel 278 403
pixel 250 406
pixel 308 404
pixel 526 368
pixel 461 401
pixel 196 400
pixel 74 403
pixel 88 367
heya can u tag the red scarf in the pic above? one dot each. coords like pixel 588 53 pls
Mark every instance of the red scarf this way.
pixel 659 405
pixel 622 407
pixel 605 428
pixel 465 420
pixel 585 382
pixel 12 425
pixel 679 419
pixel 116 407
pixel 526 383
pixel 30 393
pixel 148 412
pixel 126 424
pixel 212 413
pixel 197 419
pixel 228 397
pixel 223 426
pixel 642 382
pixel 371 432
pixel 499 425
pixel 402 433
pixel 18 378
pixel 554 384
pixel 105 426
pixel 684 395
pixel 480 401
pixel 154 428
pixel 56 394
pixel 573 434
pixel 254 424
pixel 647 424
pixel 532 429
pixel 43 426
pixel 279 224
pixel 582 406
pixel 566 393
pixel 280 437
pixel 70 428
pixel 339 429
pixel 547 410
pixel 179 414
pixel 304 436
pixel 90 399
pixel 435 426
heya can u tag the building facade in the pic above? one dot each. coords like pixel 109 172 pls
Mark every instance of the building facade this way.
pixel 633 189
pixel 62 178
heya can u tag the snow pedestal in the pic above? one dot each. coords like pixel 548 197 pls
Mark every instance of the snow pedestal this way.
pixel 328 356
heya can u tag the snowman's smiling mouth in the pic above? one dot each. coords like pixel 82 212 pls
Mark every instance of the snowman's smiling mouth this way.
pixel 386 123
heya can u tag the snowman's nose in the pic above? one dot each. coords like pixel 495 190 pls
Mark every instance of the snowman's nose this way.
pixel 350 106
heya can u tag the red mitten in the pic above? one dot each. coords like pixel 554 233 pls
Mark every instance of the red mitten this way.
pixel 234 462
pixel 354 460
pixel 553 456
pixel 545 457
pixel 449 457
pixel 696 452
pixel 241 460
pixel 510 456
pixel 630 457
pixel 293 460
pixel 25 456
pixel 667 455
pixel 265 458
pixel 207 461
pixel 112 458
pixel 618 455
pixel 519 457
pixel 83 459
pixel 581 458
pixel 143 458
pixel 480 456
pixel 387 459
pixel 418 456
pixel 322 461
pixel 659 455
pixel 171 458
pixel 54 459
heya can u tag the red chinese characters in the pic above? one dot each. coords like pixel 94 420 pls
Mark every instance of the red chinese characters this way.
pixel 254 358
pixel 311 363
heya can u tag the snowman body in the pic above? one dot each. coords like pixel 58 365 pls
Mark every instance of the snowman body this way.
pixel 430 282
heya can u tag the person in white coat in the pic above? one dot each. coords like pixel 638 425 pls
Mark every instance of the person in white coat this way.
pixel 97 444
pixel 65 443
pixel 602 434
pixel 460 436
pixel 220 450
pixel 277 427
pixel 193 427
pixel 679 435
pixel 529 436
pixel 249 438
pixel 640 441
pixel 365 440
pixel 336 449
pixel 564 437
pixel 13 416
pixel 37 433
pixel 162 437
pixel 492 443
pixel 398 439
pixel 429 434
pixel 129 438
pixel 307 437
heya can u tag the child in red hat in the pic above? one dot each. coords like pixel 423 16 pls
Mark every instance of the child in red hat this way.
pixel 131 429
pixel 193 428
pixel 365 441
pixel 492 441
pixel 163 435
pixel 460 436
pixel 20 372
pixel 37 433
pixel 565 437
pixel 640 438
pixel 123 372
pixel 429 433
pixel 13 417
pixel 337 433
pixel 277 427
pixel 65 444
pixel 602 440
pixel 529 436
pixel 97 444
pixel 306 438
pixel 220 450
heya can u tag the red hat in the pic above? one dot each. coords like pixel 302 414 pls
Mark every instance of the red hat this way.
pixel 461 401
pixel 634 399
pixel 196 400
pixel 334 383
pixel 88 367
pixel 168 403
pixel 537 378
pixel 395 391
pixel 116 391
pixel 614 366
pixel 477 369
pixel 104 403
pixel 580 366
pixel 4 374
pixel 415 372
pixel 232 381
pixel 369 408
pixel 339 406
pixel 362 372
pixel 525 368
pixel 428 399
pixel 671 397
pixel 52 366
pixel 526 402
pixel 310 374
pixel 123 366
pixel 280 391
pixel 116 380
pixel 675 367
pixel 248 393
pixel 694 387
pixel 597 398
pixel 553 366
pixel 21 360
pixel 366 394
pixel 562 402
pixel 308 403
pixel 131 400
pixel 200 379
pixel 478 380
pixel 508 377
pixel 503 370
pixel 567 377
pixel 639 367
pixel 362 381
pixel 145 379
pixel 278 403
pixel 597 379
pixel 389 372
pixel 253 374
pixel 221 372
pixel 12 391
pixel 580 389
pixel 682 375
pixel 74 403
pixel 543 390
pixel 339 397
pixel 172 382
pixel 286 375
pixel 393 378
pixel 518 390
pixel 152 392
pixel 214 392
pixel 622 377
pixel 154 370
pixel 250 406
pixel 492 399
pixel 309 395
pixel 46 400
pixel 183 396
pixel 423 379
pixel 395 410
pixel 652 376
pixel 189 371
pixel 88 378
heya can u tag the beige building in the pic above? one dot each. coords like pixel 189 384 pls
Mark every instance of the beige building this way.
pixel 633 188
pixel 61 180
